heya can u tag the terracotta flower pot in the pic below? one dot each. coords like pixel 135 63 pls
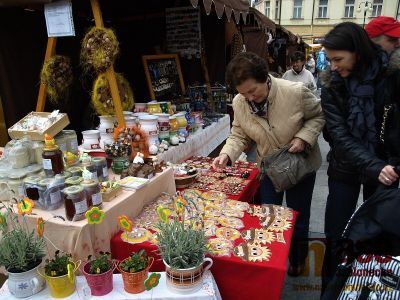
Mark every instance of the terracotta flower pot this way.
pixel 134 282
pixel 100 284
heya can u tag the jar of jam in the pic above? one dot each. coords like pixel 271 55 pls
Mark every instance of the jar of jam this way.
pixel 75 203
pixel 101 168
pixel 74 180
pixel 31 187
pixel 89 166
pixel 53 162
pixel 75 171
pixel 93 194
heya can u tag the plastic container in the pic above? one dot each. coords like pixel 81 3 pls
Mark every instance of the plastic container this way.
pixel 93 194
pixel 75 203
pixel 50 193
pixel 100 164
pixel 19 156
pixel 31 187
pixel 73 180
pixel 61 141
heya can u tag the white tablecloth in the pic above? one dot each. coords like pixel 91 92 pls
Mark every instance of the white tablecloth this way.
pixel 201 143
pixel 209 291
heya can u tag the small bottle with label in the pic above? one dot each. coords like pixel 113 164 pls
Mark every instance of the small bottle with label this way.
pixel 53 162
pixel 75 203
pixel 93 194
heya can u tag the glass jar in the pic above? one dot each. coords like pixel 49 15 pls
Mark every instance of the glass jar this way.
pixel 31 187
pixel 74 180
pixel 15 183
pixel 61 141
pixel 75 203
pixel 50 197
pixel 53 162
pixel 75 171
pixel 71 140
pixel 93 193
pixel 101 168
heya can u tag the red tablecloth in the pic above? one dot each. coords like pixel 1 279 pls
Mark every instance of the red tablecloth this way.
pixel 236 279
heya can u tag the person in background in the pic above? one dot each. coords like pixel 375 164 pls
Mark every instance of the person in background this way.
pixel 274 113
pixel 298 73
pixel 310 64
pixel 384 31
pixel 362 134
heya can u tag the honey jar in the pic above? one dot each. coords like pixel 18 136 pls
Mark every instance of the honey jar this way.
pixel 53 162
pixel 100 164
pixel 93 194
pixel 75 203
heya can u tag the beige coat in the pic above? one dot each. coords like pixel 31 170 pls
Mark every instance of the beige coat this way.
pixel 293 111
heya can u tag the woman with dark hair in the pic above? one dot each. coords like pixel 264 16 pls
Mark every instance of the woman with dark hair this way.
pixel 359 100
pixel 273 113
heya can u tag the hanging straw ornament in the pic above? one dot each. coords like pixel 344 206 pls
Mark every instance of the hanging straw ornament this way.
pixel 102 99
pixel 99 50
pixel 57 76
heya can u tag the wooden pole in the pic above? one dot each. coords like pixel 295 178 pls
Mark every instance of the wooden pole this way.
pixel 110 74
pixel 50 51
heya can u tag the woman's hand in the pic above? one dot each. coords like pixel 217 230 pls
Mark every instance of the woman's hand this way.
pixel 388 175
pixel 220 161
pixel 297 145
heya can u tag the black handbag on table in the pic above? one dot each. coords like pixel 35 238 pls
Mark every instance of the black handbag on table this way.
pixel 286 169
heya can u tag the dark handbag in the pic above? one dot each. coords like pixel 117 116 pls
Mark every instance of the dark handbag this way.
pixel 286 169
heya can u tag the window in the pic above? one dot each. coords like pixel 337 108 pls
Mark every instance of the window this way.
pixel 297 9
pixel 267 8
pixel 277 10
pixel 349 9
pixel 323 9
pixel 377 8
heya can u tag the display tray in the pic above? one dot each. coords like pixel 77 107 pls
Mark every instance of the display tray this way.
pixel 36 135
pixel 112 194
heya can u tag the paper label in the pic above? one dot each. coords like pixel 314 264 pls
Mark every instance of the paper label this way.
pixel 105 172
pixel 96 199
pixel 74 146
pixel 80 207
pixel 47 164
pixel 59 19
pixel 55 197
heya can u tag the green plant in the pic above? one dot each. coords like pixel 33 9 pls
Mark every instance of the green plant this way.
pixel 57 266
pixel 181 244
pixel 138 261
pixel 100 264
pixel 21 249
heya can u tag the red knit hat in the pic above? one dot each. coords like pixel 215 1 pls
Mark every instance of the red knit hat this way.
pixel 383 26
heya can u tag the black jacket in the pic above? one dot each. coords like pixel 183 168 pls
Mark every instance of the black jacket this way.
pixel 349 160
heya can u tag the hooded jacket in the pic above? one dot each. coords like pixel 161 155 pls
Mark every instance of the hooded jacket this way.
pixel 349 160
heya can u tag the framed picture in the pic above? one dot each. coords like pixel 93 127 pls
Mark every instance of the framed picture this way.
pixel 164 76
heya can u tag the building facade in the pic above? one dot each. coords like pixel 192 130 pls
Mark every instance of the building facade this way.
pixel 312 19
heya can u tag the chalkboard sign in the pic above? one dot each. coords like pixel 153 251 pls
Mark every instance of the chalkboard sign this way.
pixel 164 76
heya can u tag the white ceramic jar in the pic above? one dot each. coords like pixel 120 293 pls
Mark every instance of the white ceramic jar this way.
pixel 140 107
pixel 149 124
pixel 130 121
pixel 106 124
pixel 91 139
pixel 106 138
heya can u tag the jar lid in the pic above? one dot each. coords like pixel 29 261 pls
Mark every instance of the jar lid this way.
pixel 98 160
pixel 75 169
pixel 33 179
pixel 64 175
pixel 89 184
pixel 46 181
pixel 72 190
pixel 74 180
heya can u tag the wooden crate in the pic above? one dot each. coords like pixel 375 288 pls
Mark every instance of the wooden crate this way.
pixel 35 135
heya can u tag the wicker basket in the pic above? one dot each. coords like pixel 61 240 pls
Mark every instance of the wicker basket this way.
pixel 185 181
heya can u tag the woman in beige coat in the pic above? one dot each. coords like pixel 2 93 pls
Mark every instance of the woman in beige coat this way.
pixel 273 113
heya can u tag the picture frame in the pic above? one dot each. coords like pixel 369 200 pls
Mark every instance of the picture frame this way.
pixel 164 76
